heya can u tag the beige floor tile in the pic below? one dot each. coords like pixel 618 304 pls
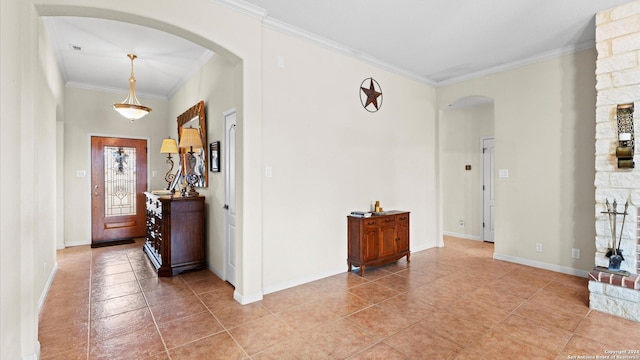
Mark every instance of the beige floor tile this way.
pixel 620 333
pixel 118 305
pixel 418 342
pixel 499 345
pixel 536 333
pixel 373 292
pixel 409 306
pixel 187 329
pixel 233 314
pixel 549 315
pixel 218 346
pixel 307 316
pixel 340 339
pixel 378 322
pixel 142 343
pixel 296 348
pixel 177 308
pixel 453 327
pixel 380 351
pixel 454 302
pixel 343 303
pixel 126 322
pixel 261 334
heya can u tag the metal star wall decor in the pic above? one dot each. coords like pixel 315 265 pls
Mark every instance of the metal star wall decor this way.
pixel 371 96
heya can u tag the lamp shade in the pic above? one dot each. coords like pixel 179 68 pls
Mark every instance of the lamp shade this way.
pixel 190 138
pixel 169 146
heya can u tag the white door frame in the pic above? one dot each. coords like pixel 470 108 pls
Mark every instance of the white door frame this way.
pixel 485 236
pixel 225 224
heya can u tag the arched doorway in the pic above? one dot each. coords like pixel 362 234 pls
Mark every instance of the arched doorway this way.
pixel 218 32
pixel 466 166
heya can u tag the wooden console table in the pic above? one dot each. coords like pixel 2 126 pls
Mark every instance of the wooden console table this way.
pixel 378 240
pixel 175 233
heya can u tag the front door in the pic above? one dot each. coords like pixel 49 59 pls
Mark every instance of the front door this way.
pixel 230 195
pixel 118 183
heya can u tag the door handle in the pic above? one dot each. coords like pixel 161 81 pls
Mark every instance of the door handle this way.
pixel 226 207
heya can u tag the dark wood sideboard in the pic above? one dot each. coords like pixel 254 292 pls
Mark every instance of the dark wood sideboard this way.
pixel 175 233
pixel 377 240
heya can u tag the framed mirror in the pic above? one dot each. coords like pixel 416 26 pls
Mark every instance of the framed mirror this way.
pixel 194 118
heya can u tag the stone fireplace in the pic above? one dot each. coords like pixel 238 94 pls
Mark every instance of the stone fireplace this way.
pixel 617 83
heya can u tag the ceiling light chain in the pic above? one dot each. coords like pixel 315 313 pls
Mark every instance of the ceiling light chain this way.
pixel 131 107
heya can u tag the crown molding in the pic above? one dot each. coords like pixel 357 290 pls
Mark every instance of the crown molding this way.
pixel 519 63
pixel 332 45
pixel 243 7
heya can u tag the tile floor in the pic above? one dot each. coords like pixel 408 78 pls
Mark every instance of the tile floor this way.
pixel 448 303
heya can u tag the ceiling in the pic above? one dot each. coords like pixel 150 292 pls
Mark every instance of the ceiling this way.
pixel 438 42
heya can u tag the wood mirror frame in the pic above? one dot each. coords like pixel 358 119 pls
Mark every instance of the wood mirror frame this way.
pixel 194 117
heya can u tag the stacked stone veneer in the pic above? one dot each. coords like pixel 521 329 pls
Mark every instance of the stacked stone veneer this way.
pixel 618 82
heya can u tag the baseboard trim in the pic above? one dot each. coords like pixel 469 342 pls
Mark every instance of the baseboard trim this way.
pixel 76 243
pixel 246 299
pixel 300 281
pixel 541 265
pixel 462 236
pixel 34 356
pixel 47 286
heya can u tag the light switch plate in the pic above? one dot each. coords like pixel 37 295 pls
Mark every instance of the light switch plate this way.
pixel 503 173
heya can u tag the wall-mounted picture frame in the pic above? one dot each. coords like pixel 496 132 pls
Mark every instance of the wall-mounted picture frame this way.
pixel 214 156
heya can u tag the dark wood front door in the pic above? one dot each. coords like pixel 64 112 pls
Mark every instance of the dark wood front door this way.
pixel 118 183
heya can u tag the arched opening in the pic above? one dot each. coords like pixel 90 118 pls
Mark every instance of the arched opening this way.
pixel 466 166
pixel 237 50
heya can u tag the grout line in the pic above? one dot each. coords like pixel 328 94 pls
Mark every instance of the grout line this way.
pixel 90 305
pixel 155 322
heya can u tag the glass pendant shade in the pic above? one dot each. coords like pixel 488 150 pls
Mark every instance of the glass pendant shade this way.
pixel 131 108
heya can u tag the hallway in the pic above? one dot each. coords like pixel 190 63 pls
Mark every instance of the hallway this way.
pixel 454 302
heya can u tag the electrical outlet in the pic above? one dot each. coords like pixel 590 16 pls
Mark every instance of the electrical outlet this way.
pixel 461 223
pixel 575 253
pixel 539 247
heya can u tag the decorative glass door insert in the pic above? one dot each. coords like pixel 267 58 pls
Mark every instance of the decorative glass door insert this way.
pixel 119 181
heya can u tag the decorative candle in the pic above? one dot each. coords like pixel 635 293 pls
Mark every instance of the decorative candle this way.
pixel 624 137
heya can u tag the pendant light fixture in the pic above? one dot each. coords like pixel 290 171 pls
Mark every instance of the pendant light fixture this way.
pixel 131 107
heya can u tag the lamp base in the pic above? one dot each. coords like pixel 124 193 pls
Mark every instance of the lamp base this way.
pixel 191 192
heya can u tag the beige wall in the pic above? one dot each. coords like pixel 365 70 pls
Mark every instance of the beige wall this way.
pixel 544 131
pixel 329 156
pixel 461 134
pixel 30 99
pixel 215 84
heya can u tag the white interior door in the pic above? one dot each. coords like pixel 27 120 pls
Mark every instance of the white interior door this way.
pixel 229 158
pixel 488 189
